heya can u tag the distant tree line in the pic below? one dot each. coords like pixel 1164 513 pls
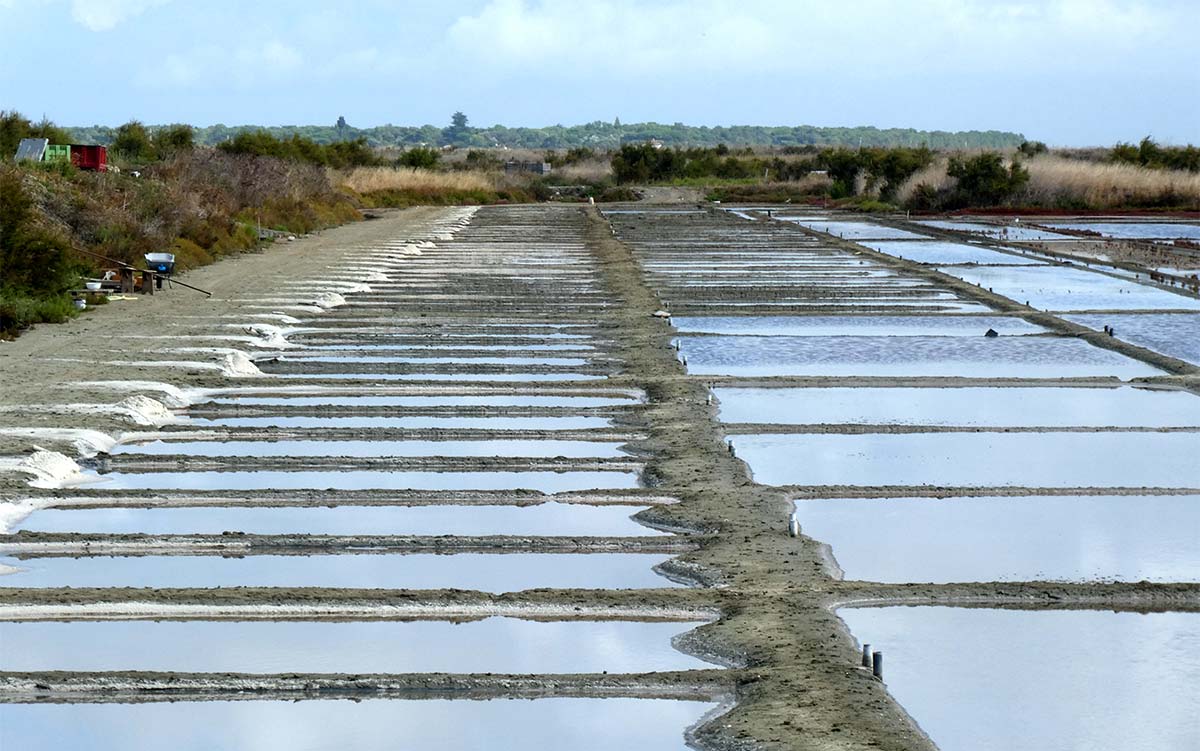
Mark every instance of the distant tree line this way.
pixel 599 134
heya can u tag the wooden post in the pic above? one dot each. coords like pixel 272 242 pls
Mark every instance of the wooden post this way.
pixel 794 526
pixel 877 665
pixel 147 282
pixel 866 656
pixel 126 280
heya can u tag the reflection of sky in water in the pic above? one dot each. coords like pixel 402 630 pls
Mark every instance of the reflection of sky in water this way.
pixel 1135 230
pixel 1014 357
pixel 368 725
pixel 410 423
pixel 931 325
pixel 998 680
pixel 1010 232
pixel 1053 460
pixel 548 482
pixel 543 519
pixel 509 448
pixel 992 407
pixel 1172 334
pixel 344 400
pixel 1130 538
pixel 1059 288
pixel 488 572
pixel 855 230
pixel 937 252
pixel 456 360
pixel 346 646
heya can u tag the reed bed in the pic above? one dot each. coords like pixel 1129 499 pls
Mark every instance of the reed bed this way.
pixel 1054 181
pixel 365 180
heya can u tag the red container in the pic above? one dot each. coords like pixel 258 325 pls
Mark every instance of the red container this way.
pixel 89 157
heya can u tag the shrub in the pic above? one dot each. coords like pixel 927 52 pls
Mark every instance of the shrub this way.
pixel 133 142
pixel 984 180
pixel 422 157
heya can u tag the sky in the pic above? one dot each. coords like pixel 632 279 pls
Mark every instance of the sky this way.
pixel 1067 72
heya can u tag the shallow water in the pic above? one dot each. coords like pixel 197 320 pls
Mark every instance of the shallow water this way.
pixel 547 482
pixel 543 519
pixel 488 572
pixel 1124 538
pixel 1010 232
pixel 497 377
pixel 856 230
pixel 1172 334
pixel 345 646
pixel 850 325
pixel 980 357
pixel 341 400
pixel 410 423
pixel 998 680
pixel 367 725
pixel 1135 230
pixel 1052 460
pixel 938 252
pixel 433 360
pixel 982 407
pixel 506 447
pixel 1063 288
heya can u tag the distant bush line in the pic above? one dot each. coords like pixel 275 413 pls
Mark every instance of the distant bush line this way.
pixel 602 135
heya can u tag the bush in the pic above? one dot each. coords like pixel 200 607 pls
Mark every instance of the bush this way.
pixel 172 139
pixel 984 180
pixel 341 154
pixel 36 268
pixel 422 157
pixel 133 142
pixel 1150 154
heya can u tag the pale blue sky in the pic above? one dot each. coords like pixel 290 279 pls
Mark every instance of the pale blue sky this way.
pixel 1069 72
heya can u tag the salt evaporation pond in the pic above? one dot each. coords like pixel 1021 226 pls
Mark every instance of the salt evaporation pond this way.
pixel 409 423
pixel 1051 460
pixel 1007 232
pixel 1068 288
pixel 1060 407
pixel 848 325
pixel 440 401
pixel 508 448
pixel 937 252
pixel 1067 538
pixel 549 518
pixel 1135 230
pixel 497 377
pixel 422 646
pixel 1172 334
pixel 547 482
pixel 488 572
pixel 856 230
pixel 363 724
pixel 996 680
pixel 980 357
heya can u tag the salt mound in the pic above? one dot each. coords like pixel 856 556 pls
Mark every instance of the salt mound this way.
pixel 328 300
pixel 144 411
pixel 50 469
pixel 236 364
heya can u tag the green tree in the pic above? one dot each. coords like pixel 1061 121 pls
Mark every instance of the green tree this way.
pixel 173 139
pixel 422 157
pixel 984 180
pixel 132 141
pixel 458 121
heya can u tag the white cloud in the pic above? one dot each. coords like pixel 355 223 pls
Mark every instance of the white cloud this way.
pixel 103 15
pixel 763 37
pixel 212 66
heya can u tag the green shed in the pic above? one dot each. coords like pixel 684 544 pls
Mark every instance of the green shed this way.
pixel 57 153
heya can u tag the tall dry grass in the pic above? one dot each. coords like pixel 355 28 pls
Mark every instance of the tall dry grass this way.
pixel 586 171
pixel 1055 181
pixel 375 179
pixel 934 176
pixel 1058 182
